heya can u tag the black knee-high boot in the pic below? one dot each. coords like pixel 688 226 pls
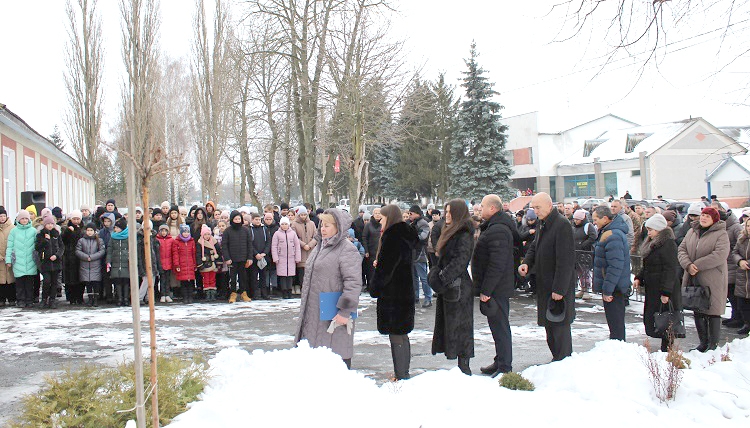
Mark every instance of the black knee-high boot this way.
pixel 701 325
pixel 401 354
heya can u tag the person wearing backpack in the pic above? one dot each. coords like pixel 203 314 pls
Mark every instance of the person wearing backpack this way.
pixel 584 236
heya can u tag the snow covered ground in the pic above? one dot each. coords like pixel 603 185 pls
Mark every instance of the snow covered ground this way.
pixel 606 386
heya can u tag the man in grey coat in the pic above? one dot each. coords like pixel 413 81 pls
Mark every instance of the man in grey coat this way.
pixel 334 265
pixel 419 268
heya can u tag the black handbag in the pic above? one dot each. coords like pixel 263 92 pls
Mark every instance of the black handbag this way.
pixel 670 318
pixel 696 297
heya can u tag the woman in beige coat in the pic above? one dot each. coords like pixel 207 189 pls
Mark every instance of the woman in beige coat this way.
pixel 7 281
pixel 703 254
pixel 306 232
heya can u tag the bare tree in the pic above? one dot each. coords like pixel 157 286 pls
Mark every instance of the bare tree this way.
pixel 83 78
pixel 178 137
pixel 211 65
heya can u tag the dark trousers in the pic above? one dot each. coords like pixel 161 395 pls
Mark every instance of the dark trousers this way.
pixel 188 287
pixel 614 311
pixel 165 280
pixel 106 294
pixel 8 292
pixel 733 303
pixel 49 287
pixel 74 292
pixel 300 277
pixel 559 340
pixel 122 291
pixel 285 282
pixel 744 309
pixel 258 281
pixel 239 277
pixel 500 328
pixel 92 287
pixel 25 289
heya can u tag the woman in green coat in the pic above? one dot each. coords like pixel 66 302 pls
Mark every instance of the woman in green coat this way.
pixel 20 256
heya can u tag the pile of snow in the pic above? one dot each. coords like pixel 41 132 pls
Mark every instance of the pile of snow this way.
pixel 608 385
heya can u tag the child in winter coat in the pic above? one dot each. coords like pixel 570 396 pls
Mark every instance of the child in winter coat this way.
pixel 286 253
pixel 222 275
pixel 165 271
pixel 183 262
pixel 118 264
pixel 50 249
pixel 20 256
pixel 209 254
pixel 90 251
pixel 356 243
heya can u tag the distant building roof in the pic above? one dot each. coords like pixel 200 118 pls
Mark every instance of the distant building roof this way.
pixel 622 144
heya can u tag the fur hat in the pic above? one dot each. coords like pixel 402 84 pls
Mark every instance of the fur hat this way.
pixel 657 222
pixel 695 209
pixel 285 220
pixel 75 214
pixel 713 212
pixel 23 214
pixel 48 220
pixel 579 215
pixel 57 212
pixel 184 228
pixel 205 229
pixel 121 223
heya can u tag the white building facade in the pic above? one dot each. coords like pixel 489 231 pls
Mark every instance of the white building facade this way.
pixel 33 163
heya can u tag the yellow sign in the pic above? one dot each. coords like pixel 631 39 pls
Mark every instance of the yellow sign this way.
pixel 582 184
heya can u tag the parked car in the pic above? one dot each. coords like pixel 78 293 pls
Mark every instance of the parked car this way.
pixel 588 204
pixel 642 202
pixel 344 205
pixel 369 208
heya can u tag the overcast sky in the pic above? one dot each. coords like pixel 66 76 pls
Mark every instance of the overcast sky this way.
pixel 514 39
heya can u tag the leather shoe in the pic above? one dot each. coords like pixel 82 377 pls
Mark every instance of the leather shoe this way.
pixel 492 368
pixel 498 372
pixel 734 323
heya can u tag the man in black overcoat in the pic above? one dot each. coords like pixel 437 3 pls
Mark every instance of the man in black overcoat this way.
pixel 493 273
pixel 552 256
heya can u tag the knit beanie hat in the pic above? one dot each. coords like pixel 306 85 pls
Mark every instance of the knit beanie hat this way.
pixel 48 220
pixel 2 210
pixel 285 220
pixel 45 212
pixel 184 228
pixel 301 210
pixel 110 201
pixel 205 230
pixel 85 207
pixel 530 214
pixel 283 206
pixel 163 226
pixel 57 212
pixel 713 212
pixel 23 214
pixel 173 208
pixel 31 209
pixel 164 204
pixel 657 222
pixel 75 214
pixel 579 215
pixel 91 225
pixel 670 216
pixel 695 209
pixel 121 223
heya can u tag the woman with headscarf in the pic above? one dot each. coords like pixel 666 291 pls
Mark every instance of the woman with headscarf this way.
pixel 703 254
pixel 454 312
pixel 334 266
pixel 393 285
pixel 659 275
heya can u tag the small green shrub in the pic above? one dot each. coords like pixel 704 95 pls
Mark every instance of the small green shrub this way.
pixel 92 395
pixel 515 381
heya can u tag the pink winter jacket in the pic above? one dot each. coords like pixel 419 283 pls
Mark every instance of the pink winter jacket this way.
pixel 286 252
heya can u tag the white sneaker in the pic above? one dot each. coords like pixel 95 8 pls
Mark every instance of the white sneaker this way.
pixel 586 296
pixel 169 299
pixel 163 299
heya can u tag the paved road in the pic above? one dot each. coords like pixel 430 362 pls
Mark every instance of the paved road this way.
pixel 35 343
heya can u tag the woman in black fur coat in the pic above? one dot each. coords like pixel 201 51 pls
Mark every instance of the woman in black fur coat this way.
pixel 393 286
pixel 454 311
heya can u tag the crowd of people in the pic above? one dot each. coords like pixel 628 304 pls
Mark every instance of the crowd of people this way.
pixel 558 252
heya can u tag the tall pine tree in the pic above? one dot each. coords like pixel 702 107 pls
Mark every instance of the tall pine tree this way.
pixel 479 165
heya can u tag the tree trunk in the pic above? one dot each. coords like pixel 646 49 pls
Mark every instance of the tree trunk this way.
pixel 151 311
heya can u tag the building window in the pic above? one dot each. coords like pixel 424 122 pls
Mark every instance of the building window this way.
pixel 509 157
pixel 44 184
pixel 64 191
pixel 579 186
pixel 9 181
pixel 55 192
pixel 610 183
pixel 29 173
pixel 635 173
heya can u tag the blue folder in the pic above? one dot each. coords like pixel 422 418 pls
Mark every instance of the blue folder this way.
pixel 328 308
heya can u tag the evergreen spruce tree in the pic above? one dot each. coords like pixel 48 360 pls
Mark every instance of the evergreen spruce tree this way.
pixel 479 165
pixel 57 139
pixel 384 161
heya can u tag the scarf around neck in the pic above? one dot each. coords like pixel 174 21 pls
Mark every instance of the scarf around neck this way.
pixel 123 234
